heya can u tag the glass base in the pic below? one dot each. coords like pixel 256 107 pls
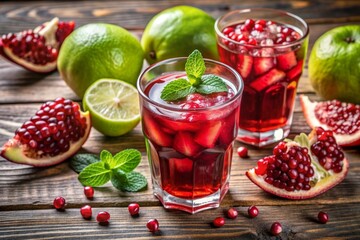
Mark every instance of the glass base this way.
pixel 261 139
pixel 190 205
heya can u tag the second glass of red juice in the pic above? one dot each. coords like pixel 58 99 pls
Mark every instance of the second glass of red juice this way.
pixel 189 141
pixel 268 48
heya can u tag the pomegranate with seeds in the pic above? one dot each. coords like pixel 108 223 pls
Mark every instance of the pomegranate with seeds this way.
pixel 342 118
pixel 36 50
pixel 303 168
pixel 56 132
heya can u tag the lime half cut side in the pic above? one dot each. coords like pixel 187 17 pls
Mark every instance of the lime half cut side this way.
pixel 113 105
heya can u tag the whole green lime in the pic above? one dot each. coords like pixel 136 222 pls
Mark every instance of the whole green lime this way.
pixel 96 51
pixel 177 31
pixel 334 64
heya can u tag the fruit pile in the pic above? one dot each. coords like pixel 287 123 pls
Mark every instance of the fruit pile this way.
pixel 303 168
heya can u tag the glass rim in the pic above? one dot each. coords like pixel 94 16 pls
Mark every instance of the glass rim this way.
pixel 169 107
pixel 298 41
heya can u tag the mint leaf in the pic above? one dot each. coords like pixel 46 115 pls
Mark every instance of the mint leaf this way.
pixel 127 160
pixel 129 182
pixel 176 89
pixel 211 84
pixel 82 160
pixel 95 175
pixel 108 158
pixel 195 67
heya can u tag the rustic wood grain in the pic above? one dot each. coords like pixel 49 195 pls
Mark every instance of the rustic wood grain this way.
pixel 300 224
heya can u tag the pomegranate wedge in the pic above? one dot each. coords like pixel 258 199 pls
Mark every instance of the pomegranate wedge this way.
pixel 342 118
pixel 55 133
pixel 36 50
pixel 303 168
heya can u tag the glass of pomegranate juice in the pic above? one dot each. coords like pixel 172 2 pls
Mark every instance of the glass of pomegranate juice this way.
pixel 189 134
pixel 268 48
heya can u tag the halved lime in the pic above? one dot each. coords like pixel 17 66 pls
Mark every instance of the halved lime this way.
pixel 113 105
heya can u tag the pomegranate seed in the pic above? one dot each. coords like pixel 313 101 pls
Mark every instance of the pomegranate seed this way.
pixel 89 192
pixel 219 222
pixel 59 203
pixel 103 217
pixel 276 228
pixel 153 225
pixel 86 211
pixel 232 213
pixel 249 24
pixel 242 152
pixel 134 209
pixel 323 217
pixel 253 211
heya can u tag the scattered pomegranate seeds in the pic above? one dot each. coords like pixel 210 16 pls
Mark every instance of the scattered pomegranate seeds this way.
pixel 134 209
pixel 153 225
pixel 276 228
pixel 59 203
pixel 323 217
pixel 103 217
pixel 89 192
pixel 253 211
pixel 242 152
pixel 232 213
pixel 86 211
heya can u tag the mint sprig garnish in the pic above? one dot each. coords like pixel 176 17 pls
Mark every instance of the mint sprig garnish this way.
pixel 118 168
pixel 196 82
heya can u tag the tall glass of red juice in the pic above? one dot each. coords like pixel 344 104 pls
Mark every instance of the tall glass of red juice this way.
pixel 268 48
pixel 189 141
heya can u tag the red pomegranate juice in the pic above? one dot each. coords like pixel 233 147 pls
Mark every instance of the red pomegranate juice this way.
pixel 191 145
pixel 269 59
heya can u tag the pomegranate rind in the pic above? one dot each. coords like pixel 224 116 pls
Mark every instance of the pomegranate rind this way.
pixel 308 108
pixel 321 186
pixel 13 150
pixel 50 37
pixel 7 53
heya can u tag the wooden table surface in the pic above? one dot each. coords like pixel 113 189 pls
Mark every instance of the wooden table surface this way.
pixel 26 193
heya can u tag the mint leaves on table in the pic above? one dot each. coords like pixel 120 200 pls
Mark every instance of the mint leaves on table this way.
pixel 119 168
pixel 196 82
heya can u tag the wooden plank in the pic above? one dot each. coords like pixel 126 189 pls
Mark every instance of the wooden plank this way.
pixel 15 16
pixel 298 223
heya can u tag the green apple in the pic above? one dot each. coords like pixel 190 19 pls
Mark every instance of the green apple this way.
pixel 334 64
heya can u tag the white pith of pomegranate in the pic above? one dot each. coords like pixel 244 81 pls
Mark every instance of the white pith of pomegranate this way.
pixel 296 171
pixel 55 133
pixel 36 50
pixel 342 118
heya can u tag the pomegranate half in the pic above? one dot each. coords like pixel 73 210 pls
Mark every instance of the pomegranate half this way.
pixel 342 118
pixel 36 50
pixel 303 168
pixel 55 133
